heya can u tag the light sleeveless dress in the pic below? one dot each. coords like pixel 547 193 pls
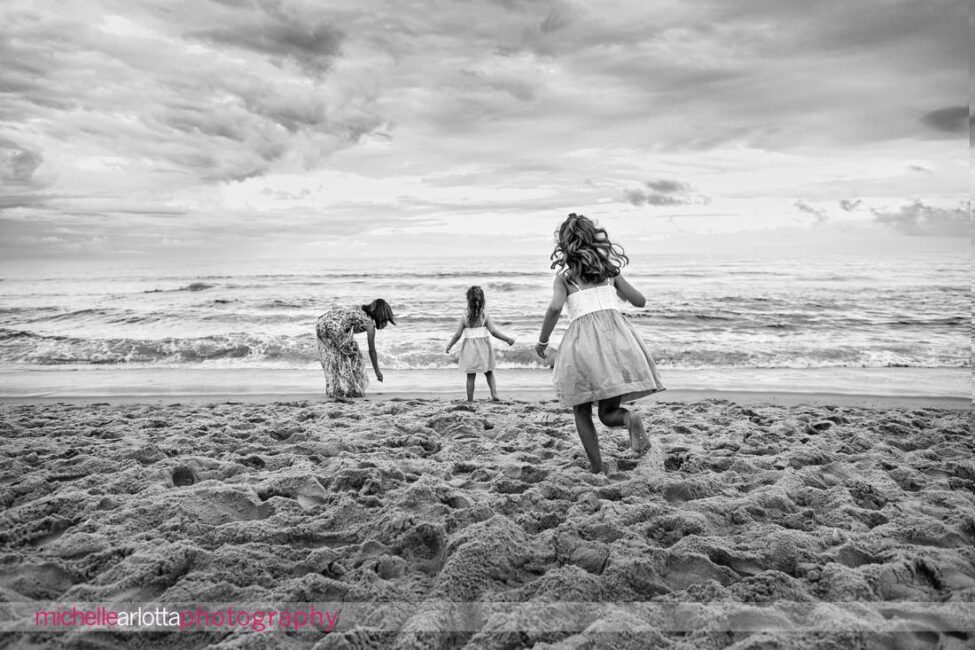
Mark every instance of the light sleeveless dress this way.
pixel 601 355
pixel 476 350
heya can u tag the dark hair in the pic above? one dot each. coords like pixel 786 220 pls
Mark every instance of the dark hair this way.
pixel 586 251
pixel 380 312
pixel 475 305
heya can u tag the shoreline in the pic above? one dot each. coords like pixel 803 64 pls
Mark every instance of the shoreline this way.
pixel 743 397
pixel 879 387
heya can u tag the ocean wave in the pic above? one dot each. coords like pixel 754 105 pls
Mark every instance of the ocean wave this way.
pixel 254 349
pixel 192 286
pixel 27 348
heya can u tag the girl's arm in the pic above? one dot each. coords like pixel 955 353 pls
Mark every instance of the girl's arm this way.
pixel 460 330
pixel 552 314
pixel 495 333
pixel 371 337
pixel 626 291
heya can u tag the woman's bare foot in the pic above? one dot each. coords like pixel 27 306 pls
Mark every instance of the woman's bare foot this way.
pixel 638 436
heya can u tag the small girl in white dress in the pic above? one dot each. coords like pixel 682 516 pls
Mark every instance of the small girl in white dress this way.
pixel 602 358
pixel 476 351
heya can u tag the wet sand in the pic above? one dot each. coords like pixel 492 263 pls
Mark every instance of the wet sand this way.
pixel 409 500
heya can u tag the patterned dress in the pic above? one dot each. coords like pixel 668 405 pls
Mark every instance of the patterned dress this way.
pixel 345 370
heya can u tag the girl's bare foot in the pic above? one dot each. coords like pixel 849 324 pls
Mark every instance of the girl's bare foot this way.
pixel 638 436
pixel 495 398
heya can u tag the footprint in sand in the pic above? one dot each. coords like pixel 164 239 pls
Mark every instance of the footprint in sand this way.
pixel 217 508
pixel 626 464
pixel 183 476
pixel 54 530
pixel 38 581
pixel 425 546
pixel 674 461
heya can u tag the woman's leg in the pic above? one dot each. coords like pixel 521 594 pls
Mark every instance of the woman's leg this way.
pixel 357 378
pixel 494 389
pixel 587 433
pixel 470 386
pixel 326 354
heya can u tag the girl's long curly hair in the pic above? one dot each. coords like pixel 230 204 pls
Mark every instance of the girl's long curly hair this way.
pixel 585 250
pixel 475 306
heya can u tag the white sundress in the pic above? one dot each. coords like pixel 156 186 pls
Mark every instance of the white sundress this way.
pixel 601 355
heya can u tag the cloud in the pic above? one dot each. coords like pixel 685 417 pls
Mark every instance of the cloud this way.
pixel 850 205
pixel 280 30
pixel 819 213
pixel 490 107
pixel 666 186
pixel 639 197
pixel 662 192
pixel 172 106
pixel 951 119
pixel 558 18
pixel 11 201
pixel 17 163
pixel 919 220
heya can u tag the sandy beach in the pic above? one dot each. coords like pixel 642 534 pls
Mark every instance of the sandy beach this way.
pixel 387 508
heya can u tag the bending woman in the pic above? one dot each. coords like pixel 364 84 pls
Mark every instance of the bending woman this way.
pixel 345 370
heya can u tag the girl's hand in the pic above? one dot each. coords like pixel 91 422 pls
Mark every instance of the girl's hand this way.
pixel 540 349
pixel 447 351
pixel 379 376
pixel 511 342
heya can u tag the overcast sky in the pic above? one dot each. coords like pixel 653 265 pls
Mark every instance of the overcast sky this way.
pixel 296 129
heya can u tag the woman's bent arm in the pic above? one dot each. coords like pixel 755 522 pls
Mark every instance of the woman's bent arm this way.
pixel 373 357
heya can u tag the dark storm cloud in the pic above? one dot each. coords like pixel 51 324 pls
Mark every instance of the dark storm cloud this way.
pixel 951 119
pixel 742 61
pixel 179 110
pixel 280 31
pixel 920 220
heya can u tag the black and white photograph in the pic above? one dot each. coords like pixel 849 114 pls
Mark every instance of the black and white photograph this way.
pixel 486 324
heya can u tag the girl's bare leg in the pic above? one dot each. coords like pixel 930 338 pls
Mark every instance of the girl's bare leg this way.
pixel 613 415
pixel 494 389
pixel 610 412
pixel 470 386
pixel 587 433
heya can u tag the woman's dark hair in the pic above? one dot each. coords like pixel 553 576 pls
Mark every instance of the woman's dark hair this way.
pixel 475 306
pixel 380 312
pixel 585 250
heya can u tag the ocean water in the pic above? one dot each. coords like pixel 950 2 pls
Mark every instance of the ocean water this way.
pixel 700 315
